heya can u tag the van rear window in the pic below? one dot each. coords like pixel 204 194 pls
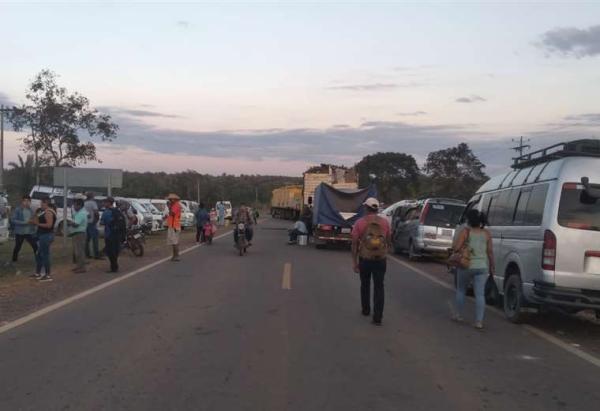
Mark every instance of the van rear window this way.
pixel 443 215
pixel 577 209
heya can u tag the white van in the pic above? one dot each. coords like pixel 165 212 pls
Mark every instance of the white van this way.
pixel 545 227
pixel 4 218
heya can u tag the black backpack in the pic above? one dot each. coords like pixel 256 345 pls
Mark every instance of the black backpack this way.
pixel 118 225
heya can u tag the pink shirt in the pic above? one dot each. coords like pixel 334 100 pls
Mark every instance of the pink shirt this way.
pixel 361 225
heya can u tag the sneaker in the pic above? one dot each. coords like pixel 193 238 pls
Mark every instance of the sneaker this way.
pixel 377 323
pixel 35 276
pixel 478 325
pixel 366 313
pixel 45 278
pixel 457 318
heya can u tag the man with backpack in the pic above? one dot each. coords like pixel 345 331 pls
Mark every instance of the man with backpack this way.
pixel 371 239
pixel 115 228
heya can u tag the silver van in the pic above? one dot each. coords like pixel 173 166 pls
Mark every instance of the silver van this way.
pixel 545 225
pixel 427 227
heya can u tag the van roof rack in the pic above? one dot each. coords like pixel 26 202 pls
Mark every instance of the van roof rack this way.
pixel 576 148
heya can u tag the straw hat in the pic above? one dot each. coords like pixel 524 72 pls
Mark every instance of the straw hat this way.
pixel 173 196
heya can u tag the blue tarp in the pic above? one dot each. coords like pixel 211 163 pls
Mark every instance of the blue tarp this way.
pixel 330 202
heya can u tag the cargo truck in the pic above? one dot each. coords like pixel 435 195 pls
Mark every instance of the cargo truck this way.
pixel 286 202
pixel 337 177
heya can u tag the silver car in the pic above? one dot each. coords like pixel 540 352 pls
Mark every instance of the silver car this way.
pixel 545 225
pixel 427 228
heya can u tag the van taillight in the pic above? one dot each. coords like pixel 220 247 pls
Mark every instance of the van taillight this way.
pixel 325 227
pixel 424 214
pixel 549 251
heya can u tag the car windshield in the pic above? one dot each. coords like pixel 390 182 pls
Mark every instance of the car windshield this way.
pixel 577 209
pixel 443 215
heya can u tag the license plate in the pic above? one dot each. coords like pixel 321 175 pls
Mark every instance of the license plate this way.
pixel 346 230
pixel 136 236
pixel 447 233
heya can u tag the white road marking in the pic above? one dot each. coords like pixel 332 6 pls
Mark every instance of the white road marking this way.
pixel 536 331
pixel 286 281
pixel 36 314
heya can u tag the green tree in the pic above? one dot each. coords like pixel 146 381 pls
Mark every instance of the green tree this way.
pixel 55 118
pixel 454 172
pixel 396 175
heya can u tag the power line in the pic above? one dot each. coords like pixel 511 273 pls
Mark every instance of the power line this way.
pixel 521 146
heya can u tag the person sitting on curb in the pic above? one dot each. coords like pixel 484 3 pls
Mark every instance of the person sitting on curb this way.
pixel 299 228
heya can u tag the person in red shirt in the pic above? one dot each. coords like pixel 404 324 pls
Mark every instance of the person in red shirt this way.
pixel 174 224
pixel 371 239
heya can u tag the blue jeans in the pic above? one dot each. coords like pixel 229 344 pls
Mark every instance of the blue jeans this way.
pixel 91 235
pixel 463 278
pixel 42 258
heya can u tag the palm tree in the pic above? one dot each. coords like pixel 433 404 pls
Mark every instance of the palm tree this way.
pixel 25 170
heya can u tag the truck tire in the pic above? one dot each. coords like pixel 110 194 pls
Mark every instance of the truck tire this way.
pixel 513 299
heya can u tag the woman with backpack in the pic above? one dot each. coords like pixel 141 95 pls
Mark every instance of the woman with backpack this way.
pixel 371 240
pixel 474 256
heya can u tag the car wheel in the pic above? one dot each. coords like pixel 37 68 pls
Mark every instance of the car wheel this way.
pixel 513 299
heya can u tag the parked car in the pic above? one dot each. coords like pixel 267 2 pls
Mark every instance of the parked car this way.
pixel 161 205
pixel 157 217
pixel 390 213
pixel 188 219
pixel 40 192
pixel 145 218
pixel 544 217
pixel 427 227
pixel 228 209
pixel 4 218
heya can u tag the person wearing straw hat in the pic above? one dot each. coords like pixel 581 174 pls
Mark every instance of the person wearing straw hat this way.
pixel 371 239
pixel 173 224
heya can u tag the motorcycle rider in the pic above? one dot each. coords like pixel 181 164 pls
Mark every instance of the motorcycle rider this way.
pixel 242 216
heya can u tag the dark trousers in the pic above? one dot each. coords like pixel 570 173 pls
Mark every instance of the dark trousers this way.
pixel 112 252
pixel 375 269
pixel 19 239
pixel 91 236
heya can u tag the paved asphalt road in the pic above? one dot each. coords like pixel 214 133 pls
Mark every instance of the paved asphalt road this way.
pixel 221 332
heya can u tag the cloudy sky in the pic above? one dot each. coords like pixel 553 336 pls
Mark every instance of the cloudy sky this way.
pixel 256 87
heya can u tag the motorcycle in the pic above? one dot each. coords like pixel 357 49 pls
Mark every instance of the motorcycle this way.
pixel 242 242
pixel 134 240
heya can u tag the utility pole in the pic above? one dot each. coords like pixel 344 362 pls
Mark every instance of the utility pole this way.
pixel 519 148
pixel 198 187
pixel 1 148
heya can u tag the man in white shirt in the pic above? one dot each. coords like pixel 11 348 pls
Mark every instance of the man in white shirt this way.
pixel 93 215
pixel 299 228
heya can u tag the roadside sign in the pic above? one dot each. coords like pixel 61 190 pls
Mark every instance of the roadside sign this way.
pixel 88 177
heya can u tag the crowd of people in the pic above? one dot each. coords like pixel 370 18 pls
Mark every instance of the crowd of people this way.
pixel 37 228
